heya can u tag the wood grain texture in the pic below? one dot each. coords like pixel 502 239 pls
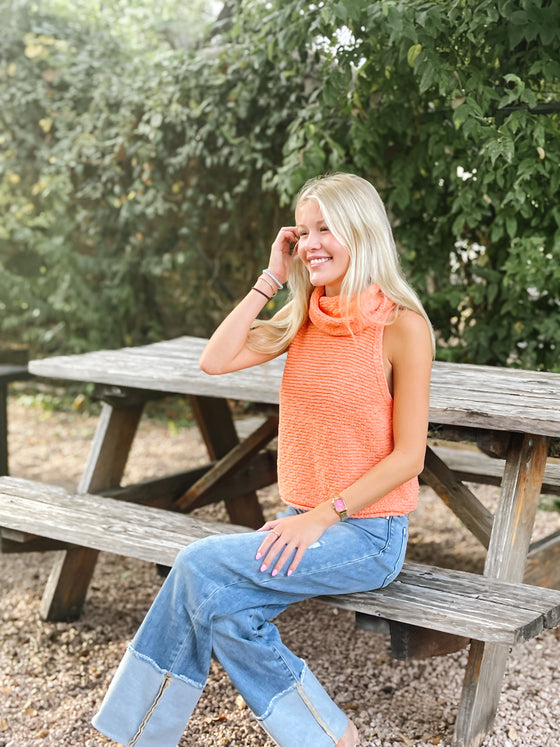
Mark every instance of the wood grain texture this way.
pixel 457 496
pixel 456 602
pixel 471 465
pixel 461 394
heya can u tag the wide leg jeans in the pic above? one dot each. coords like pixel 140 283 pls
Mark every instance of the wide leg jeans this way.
pixel 217 601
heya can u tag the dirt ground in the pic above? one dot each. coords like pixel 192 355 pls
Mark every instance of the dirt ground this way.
pixel 54 675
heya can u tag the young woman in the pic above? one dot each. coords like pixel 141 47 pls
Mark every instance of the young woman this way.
pixel 353 422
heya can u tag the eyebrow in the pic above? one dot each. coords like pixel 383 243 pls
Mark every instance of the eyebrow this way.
pixel 319 223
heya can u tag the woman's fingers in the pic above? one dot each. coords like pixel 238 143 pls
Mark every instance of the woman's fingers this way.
pixel 277 546
pixel 271 547
pixel 281 254
pixel 287 538
pixel 271 538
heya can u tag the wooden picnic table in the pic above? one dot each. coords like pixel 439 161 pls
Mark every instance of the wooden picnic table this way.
pixel 510 414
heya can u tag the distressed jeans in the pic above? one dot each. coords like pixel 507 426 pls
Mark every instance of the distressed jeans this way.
pixel 217 601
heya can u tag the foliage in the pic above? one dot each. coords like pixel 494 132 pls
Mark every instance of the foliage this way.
pixel 130 181
pixel 451 107
pixel 142 172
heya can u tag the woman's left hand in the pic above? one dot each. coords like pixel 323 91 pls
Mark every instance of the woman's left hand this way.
pixel 288 535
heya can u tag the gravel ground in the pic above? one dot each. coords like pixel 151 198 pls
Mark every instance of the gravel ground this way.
pixel 53 675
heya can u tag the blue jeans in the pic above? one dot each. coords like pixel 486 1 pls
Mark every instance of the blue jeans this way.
pixel 217 601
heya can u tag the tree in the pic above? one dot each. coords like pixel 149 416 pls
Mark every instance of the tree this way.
pixel 143 181
pixel 451 107
pixel 132 173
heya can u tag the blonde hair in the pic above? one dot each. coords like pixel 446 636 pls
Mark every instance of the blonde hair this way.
pixel 356 216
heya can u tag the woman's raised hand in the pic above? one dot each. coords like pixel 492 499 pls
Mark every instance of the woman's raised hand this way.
pixel 281 253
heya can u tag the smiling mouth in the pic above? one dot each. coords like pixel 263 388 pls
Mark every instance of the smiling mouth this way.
pixel 318 261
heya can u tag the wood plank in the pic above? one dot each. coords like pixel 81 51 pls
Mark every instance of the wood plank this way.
pixel 33 544
pixel 237 457
pixel 67 586
pixel 457 497
pixel 219 433
pixel 506 557
pixel 13 372
pixel 520 495
pixel 454 602
pixel 471 465
pixel 162 492
pixel 477 709
pixel 4 469
pixel 444 611
pixel 110 447
pixel 461 394
pixel 482 587
pixel 411 642
pixel 101 523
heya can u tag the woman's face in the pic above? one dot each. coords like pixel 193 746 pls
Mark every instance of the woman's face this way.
pixel 325 257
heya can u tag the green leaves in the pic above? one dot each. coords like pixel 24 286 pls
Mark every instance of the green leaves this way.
pixel 144 171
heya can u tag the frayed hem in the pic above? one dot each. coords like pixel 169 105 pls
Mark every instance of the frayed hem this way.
pixel 164 672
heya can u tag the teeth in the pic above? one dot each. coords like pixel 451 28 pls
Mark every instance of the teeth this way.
pixel 319 261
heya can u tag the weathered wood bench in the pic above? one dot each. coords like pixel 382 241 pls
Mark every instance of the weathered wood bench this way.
pixel 472 465
pixel 464 604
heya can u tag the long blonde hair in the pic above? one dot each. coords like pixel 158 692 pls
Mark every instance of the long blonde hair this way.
pixel 356 216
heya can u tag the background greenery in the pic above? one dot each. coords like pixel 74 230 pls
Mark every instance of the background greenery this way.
pixel 149 153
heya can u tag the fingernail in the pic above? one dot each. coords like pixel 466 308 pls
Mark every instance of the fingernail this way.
pixel 275 572
pixel 289 573
pixel 258 556
pixel 263 567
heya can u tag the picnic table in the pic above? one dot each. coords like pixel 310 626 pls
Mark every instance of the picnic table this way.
pixel 510 414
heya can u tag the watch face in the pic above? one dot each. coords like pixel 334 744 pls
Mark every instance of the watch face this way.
pixel 339 504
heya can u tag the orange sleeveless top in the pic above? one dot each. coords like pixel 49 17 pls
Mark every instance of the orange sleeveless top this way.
pixel 336 411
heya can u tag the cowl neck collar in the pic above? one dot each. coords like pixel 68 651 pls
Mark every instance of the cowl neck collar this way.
pixel 329 313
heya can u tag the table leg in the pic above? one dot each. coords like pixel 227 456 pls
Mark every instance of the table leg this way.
pixel 67 586
pixel 218 430
pixel 506 558
pixel 3 428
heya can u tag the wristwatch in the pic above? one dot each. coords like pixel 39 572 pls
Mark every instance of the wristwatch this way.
pixel 340 507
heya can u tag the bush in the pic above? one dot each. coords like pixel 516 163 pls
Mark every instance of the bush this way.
pixel 142 181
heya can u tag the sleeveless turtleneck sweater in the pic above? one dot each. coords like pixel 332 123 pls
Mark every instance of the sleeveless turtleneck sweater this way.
pixel 336 411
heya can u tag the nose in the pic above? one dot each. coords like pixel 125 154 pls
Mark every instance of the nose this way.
pixel 313 241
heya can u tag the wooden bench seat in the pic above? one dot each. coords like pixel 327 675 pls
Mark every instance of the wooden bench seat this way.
pixel 472 465
pixel 456 602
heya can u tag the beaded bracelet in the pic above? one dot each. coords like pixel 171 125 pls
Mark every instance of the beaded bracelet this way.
pixel 270 275
pixel 268 298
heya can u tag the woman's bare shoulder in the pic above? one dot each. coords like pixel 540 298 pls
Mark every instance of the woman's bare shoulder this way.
pixel 407 331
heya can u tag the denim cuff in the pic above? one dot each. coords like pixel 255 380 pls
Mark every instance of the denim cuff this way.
pixel 304 714
pixel 158 712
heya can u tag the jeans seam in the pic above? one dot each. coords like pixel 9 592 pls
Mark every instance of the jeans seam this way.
pixel 322 723
pixel 298 686
pixel 163 687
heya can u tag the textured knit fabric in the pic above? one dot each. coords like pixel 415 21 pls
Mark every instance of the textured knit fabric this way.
pixel 336 411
